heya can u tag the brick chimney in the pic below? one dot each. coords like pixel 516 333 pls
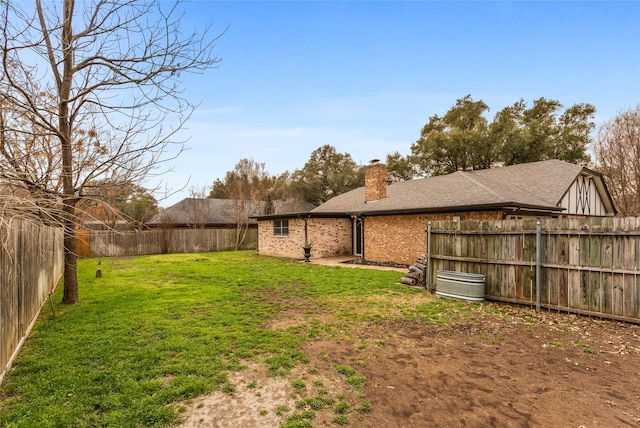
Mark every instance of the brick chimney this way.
pixel 375 181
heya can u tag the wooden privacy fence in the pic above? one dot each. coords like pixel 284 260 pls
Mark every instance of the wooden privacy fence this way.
pixel 587 266
pixel 161 241
pixel 31 263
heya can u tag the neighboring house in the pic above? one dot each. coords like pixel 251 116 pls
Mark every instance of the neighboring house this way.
pixel 220 213
pixel 383 222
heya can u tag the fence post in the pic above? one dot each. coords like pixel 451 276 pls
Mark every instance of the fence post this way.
pixel 428 274
pixel 538 264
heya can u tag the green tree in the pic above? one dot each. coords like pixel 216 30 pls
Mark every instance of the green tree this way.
pixel 262 185
pixel 400 168
pixel 576 127
pixel 280 187
pixel 101 82
pixel 541 132
pixel 249 180
pixel 111 202
pixel 508 132
pixel 617 152
pixel 457 141
pixel 463 139
pixel 326 174
pixel 135 204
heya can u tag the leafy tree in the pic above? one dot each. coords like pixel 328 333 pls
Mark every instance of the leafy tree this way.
pixel 219 189
pixel 280 187
pixel 263 186
pixel 458 140
pixel 463 139
pixel 540 132
pixel 617 152
pixel 90 93
pixel 248 180
pixel 400 168
pixel 536 136
pixel 508 132
pixel 326 174
pixel 576 127
pixel 138 207
pixel 129 202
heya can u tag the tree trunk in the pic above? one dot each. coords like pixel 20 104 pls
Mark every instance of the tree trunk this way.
pixel 241 234
pixel 66 135
pixel 70 295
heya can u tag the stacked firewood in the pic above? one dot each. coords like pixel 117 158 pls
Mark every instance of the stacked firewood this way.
pixel 416 275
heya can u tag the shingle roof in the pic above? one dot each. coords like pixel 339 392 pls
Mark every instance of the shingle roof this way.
pixel 537 185
pixel 220 211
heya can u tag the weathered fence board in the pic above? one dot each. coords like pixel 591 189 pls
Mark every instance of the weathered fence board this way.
pixel 31 262
pixel 587 265
pixel 563 288
pixel 166 241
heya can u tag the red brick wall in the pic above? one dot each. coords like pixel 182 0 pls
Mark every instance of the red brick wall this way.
pixel 394 238
pixel 328 236
pixel 401 238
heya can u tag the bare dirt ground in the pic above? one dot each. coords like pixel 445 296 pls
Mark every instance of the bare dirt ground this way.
pixel 519 370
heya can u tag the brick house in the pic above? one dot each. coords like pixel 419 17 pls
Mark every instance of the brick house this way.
pixel 384 222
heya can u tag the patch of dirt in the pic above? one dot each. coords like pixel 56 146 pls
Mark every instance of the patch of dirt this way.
pixel 521 369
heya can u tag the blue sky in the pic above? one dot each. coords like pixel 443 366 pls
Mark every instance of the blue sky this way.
pixel 366 76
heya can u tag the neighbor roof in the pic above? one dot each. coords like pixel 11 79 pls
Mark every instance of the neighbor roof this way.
pixel 219 212
pixel 537 186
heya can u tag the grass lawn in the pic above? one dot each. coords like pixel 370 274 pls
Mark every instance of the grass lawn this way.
pixel 156 330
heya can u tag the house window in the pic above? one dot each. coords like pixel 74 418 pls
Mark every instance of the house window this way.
pixel 281 227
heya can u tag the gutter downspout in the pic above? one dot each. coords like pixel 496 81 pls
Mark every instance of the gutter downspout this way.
pixel 306 238
pixel 362 239
pixel 306 235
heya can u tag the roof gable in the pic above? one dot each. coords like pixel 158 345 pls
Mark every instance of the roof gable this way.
pixel 544 181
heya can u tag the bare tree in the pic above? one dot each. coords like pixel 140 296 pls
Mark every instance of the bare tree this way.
pixel 198 207
pixel 166 233
pixel 90 93
pixel 617 150
pixel 247 188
